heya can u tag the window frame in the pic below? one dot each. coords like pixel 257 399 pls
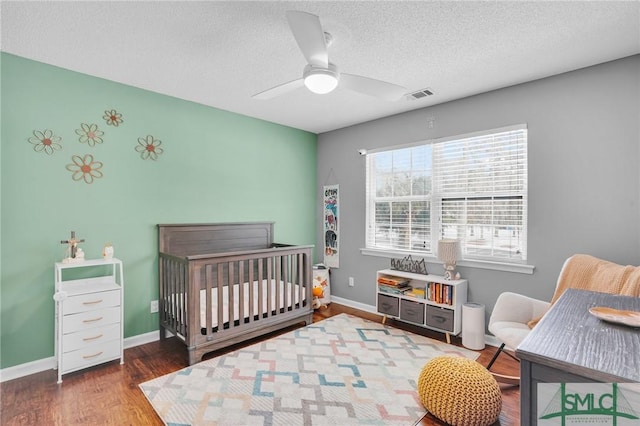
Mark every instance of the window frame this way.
pixel 435 199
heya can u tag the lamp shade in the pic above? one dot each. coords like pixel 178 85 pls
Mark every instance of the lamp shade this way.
pixel 448 251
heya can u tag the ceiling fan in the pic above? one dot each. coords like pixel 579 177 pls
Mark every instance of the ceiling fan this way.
pixel 321 76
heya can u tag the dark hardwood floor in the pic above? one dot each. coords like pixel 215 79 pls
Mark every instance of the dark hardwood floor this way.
pixel 109 395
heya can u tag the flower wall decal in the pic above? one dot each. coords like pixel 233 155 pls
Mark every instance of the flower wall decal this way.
pixel 112 117
pixel 85 168
pixel 149 148
pixel 45 141
pixel 90 134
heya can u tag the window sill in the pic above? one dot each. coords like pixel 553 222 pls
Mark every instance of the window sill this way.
pixel 481 264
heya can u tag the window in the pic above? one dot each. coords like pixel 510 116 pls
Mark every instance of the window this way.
pixel 471 187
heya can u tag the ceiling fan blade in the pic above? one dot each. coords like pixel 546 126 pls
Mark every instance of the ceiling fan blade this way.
pixel 309 35
pixel 279 90
pixel 372 87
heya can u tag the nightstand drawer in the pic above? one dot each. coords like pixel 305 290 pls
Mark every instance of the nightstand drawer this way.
pixel 91 319
pixel 412 311
pixel 440 318
pixel 86 357
pixel 86 338
pixel 388 305
pixel 91 301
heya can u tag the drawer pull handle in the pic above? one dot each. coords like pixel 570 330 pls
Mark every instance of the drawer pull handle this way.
pixel 92 302
pixel 92 356
pixel 86 339
pixel 92 320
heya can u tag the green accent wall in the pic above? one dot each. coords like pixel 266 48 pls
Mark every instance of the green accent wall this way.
pixel 216 166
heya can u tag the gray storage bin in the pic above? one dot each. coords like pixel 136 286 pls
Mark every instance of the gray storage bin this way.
pixel 388 305
pixel 412 311
pixel 440 318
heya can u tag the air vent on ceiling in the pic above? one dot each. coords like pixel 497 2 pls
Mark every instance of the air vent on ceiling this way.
pixel 421 94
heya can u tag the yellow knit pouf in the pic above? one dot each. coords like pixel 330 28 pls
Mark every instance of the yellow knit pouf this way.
pixel 459 391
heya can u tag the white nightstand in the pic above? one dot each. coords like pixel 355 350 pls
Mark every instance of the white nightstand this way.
pixel 88 315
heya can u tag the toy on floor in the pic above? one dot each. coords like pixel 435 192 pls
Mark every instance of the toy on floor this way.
pixel 318 293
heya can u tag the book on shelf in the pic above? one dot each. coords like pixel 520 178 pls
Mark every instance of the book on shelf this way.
pixel 417 292
pixel 413 293
pixel 393 281
pixel 394 289
pixel 440 293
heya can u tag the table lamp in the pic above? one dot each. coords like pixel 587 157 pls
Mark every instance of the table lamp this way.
pixel 448 254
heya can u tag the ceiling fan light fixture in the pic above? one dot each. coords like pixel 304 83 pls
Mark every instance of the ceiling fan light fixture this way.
pixel 321 80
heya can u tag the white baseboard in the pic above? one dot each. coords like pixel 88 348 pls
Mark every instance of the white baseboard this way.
pixel 44 364
pixel 27 368
pixel 352 304
pixel 141 339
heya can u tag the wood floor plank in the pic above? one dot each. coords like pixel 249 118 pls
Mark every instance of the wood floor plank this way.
pixel 108 394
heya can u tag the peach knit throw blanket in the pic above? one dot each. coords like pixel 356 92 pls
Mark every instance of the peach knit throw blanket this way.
pixel 586 272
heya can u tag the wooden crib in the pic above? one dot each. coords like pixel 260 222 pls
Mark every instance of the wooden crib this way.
pixel 225 283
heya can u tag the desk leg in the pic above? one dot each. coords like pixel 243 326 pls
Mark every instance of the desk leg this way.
pixel 384 318
pixel 527 400
pixel 448 338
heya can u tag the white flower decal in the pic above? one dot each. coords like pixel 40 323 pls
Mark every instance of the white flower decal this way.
pixel 90 134
pixel 112 117
pixel 45 141
pixel 85 168
pixel 149 148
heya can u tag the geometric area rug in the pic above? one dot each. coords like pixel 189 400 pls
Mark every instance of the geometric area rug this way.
pixel 344 370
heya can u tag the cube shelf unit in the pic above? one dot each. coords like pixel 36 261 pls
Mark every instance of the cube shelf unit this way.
pixel 443 314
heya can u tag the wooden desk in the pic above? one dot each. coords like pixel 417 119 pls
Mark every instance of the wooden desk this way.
pixel 571 345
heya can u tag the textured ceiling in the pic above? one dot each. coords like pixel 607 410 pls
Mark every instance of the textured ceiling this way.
pixel 220 53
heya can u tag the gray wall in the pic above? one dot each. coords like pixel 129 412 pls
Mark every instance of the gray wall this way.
pixel 584 183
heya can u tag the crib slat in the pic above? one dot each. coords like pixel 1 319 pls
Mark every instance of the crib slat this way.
pixel 209 277
pixel 301 286
pixel 174 293
pixel 293 282
pixel 220 299
pixel 276 284
pixel 285 283
pixel 251 292
pixel 182 279
pixel 230 293
pixel 269 289
pixel 241 293
pixel 260 288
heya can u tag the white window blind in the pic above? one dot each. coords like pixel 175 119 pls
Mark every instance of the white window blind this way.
pixel 472 188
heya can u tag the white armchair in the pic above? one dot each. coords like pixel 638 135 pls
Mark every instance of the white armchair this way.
pixel 509 323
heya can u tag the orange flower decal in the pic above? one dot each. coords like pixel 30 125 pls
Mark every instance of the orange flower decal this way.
pixel 85 168
pixel 45 141
pixel 149 148
pixel 112 117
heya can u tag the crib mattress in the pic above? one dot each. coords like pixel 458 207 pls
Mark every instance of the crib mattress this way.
pixel 284 290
